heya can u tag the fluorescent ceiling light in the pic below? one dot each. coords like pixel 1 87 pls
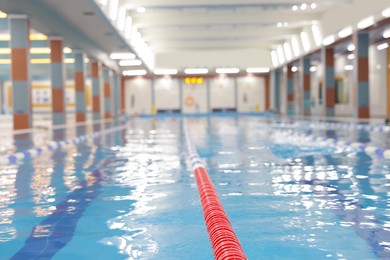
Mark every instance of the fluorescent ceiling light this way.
pixel 303 6
pixel 5 51
pixel 328 40
pixel 42 50
pixel 305 41
pixel 382 46
pixel 3 15
pixel 351 47
pixel 69 60
pixel 313 69
pixel 122 18
pixel 128 29
pixel 196 71
pixel 386 12
pixel 279 51
pixel 294 68
pixel 103 2
pixel 317 34
pixel 347 31
pixel 313 6
pixel 287 51
pixel 274 58
pixel 134 72
pixel 67 50
pixel 295 46
pixel 165 71
pixel 141 9
pixel 257 70
pixel 227 70
pixel 348 67
pixel 366 22
pixel 40 61
pixel 386 34
pixel 122 56
pixel 114 4
pixel 295 8
pixel 130 63
pixel 351 56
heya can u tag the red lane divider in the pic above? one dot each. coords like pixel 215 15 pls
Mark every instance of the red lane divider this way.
pixel 222 237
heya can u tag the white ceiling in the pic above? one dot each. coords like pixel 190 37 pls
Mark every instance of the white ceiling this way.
pixel 210 33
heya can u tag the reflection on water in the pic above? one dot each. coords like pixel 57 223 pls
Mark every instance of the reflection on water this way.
pixel 7 198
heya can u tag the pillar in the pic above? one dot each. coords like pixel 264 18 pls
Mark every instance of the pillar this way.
pixel 107 93
pixel 306 84
pixel 290 91
pixel 95 90
pixel 361 72
pixel 329 89
pixel 79 79
pixel 116 95
pixel 19 26
pixel 267 93
pixel 276 88
pixel 57 81
pixel 388 82
pixel 123 95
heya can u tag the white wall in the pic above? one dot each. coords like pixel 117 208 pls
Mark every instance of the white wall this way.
pixel 197 93
pixel 167 93
pixel 138 96
pixel 251 94
pixel 378 82
pixel 222 90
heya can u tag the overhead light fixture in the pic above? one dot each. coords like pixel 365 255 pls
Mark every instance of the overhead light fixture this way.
pixel 5 50
pixel 165 71
pixel 348 67
pixel 3 15
pixel 227 70
pixel 67 50
pixel 295 8
pixel 347 31
pixel 141 9
pixel 295 46
pixel 124 63
pixel 40 61
pixel 280 53
pixel 103 2
pixel 41 50
pixel 38 37
pixel 122 56
pixel 69 60
pixel 303 6
pixel 329 40
pixel 114 4
pixel 351 56
pixel 313 69
pixel 134 72
pixel 128 27
pixel 5 61
pixel 313 6
pixel 195 71
pixel 5 37
pixel 122 18
pixel 257 70
pixel 386 12
pixel 305 41
pixel 366 22
pixel 287 51
pixel 386 34
pixel 351 47
pixel 294 68
pixel 274 58
pixel 382 46
pixel 315 29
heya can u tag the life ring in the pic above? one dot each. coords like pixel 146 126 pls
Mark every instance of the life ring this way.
pixel 189 101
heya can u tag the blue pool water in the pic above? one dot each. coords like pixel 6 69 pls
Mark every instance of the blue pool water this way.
pixel 131 194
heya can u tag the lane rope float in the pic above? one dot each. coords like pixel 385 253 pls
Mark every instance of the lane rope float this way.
pixel 223 240
pixel 52 146
pixel 357 146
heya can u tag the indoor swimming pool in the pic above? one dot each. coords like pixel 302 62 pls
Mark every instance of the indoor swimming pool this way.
pixel 129 192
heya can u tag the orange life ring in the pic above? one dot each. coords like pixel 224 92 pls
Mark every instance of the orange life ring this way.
pixel 189 101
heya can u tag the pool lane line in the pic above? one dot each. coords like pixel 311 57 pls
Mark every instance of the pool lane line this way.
pixel 61 224
pixel 52 146
pixel 340 126
pixel 357 146
pixel 223 240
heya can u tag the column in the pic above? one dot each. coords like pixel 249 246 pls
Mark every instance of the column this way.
pixel 57 81
pixel 19 27
pixel 153 109
pixel 123 95
pixel 115 94
pixel 276 88
pixel 107 93
pixel 95 90
pixel 79 79
pixel 290 91
pixel 327 57
pixel 388 82
pixel 361 71
pixel 306 84
pixel 267 93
